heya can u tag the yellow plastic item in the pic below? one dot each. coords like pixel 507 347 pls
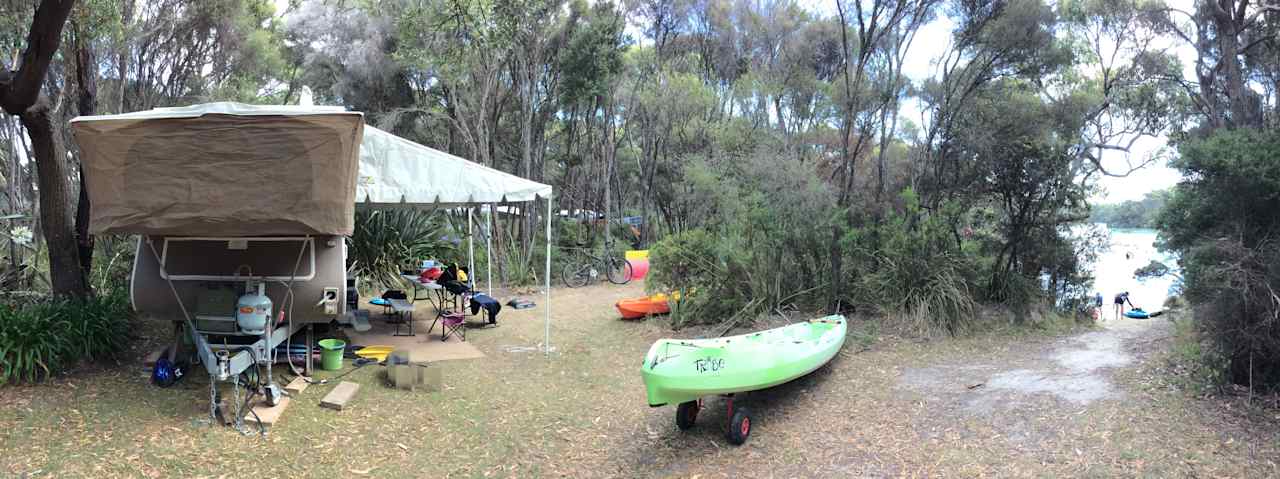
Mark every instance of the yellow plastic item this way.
pixel 375 352
pixel 637 254
pixel 664 296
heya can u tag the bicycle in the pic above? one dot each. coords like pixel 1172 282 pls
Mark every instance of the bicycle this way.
pixel 578 273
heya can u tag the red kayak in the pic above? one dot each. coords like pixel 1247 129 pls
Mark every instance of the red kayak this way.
pixel 637 308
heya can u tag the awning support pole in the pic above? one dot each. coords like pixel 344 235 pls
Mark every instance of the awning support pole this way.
pixel 471 251
pixel 488 248
pixel 547 277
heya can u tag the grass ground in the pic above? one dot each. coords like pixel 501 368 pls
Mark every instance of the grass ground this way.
pixel 581 413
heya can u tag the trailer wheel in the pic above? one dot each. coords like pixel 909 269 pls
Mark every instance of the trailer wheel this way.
pixel 686 414
pixel 739 426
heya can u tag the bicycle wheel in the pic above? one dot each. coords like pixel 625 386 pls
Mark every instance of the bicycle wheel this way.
pixel 619 271
pixel 576 275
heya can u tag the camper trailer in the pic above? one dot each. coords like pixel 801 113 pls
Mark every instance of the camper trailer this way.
pixel 241 214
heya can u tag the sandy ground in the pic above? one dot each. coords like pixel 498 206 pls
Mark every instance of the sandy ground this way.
pixel 1009 404
pixel 1075 370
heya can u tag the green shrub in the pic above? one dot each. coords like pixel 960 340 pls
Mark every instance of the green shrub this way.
pixel 911 262
pixel 41 339
pixel 694 263
pixel 1223 221
pixel 113 262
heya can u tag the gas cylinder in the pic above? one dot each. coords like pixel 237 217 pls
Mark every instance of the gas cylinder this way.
pixel 253 310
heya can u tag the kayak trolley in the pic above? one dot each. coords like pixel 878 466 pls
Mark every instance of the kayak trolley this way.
pixel 738 430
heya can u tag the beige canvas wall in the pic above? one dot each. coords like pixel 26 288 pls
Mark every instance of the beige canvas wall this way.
pixel 222 175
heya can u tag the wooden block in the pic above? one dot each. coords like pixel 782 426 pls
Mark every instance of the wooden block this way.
pixel 269 415
pixel 340 396
pixel 296 386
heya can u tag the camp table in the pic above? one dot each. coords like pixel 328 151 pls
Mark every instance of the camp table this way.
pixel 431 286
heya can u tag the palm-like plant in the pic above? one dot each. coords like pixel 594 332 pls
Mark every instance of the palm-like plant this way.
pixel 386 241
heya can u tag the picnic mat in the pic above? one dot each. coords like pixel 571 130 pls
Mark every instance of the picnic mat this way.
pixel 425 346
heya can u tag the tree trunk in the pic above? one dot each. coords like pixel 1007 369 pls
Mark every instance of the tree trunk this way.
pixel 65 273
pixel 86 78
pixel 1229 46
pixel 526 144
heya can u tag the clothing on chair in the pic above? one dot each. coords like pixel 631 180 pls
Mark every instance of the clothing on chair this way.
pixel 456 287
pixel 490 305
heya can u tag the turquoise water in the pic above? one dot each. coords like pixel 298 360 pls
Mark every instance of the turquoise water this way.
pixel 1113 272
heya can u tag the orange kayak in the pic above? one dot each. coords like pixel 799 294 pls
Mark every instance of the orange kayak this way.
pixel 636 308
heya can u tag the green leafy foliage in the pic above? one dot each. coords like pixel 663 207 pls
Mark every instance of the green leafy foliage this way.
pixel 1131 214
pixel 697 265
pixel 386 241
pixel 913 262
pixel 1223 220
pixel 41 339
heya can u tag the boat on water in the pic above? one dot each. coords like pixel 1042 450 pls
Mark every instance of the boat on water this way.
pixel 682 371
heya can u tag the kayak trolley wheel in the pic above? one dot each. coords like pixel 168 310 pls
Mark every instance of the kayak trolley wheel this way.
pixel 687 414
pixel 739 426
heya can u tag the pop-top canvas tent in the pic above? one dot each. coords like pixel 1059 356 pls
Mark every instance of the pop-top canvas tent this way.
pixel 233 169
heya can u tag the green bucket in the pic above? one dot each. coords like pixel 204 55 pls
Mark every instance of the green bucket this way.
pixel 331 354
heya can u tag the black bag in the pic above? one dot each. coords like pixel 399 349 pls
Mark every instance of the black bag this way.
pixel 455 287
pixel 391 294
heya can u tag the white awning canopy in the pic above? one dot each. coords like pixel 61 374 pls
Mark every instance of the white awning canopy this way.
pixel 395 171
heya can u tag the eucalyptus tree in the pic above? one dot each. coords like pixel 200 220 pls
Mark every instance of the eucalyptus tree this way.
pixel 1236 77
pixel 1117 88
pixel 345 52
pixel 591 65
pixel 22 94
pixel 872 24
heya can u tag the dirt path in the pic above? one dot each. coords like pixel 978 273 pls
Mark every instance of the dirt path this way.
pixel 998 406
pixel 1075 370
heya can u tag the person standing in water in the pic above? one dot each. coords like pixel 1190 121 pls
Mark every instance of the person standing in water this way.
pixel 1120 300
pixel 1097 306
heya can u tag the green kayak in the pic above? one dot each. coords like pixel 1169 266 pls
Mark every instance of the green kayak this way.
pixel 682 370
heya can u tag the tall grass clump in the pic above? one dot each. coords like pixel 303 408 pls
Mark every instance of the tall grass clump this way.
pixel 39 340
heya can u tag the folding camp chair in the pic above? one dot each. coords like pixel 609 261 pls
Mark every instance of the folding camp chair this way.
pixel 451 323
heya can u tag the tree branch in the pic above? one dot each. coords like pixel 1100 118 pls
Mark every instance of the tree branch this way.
pixel 19 90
